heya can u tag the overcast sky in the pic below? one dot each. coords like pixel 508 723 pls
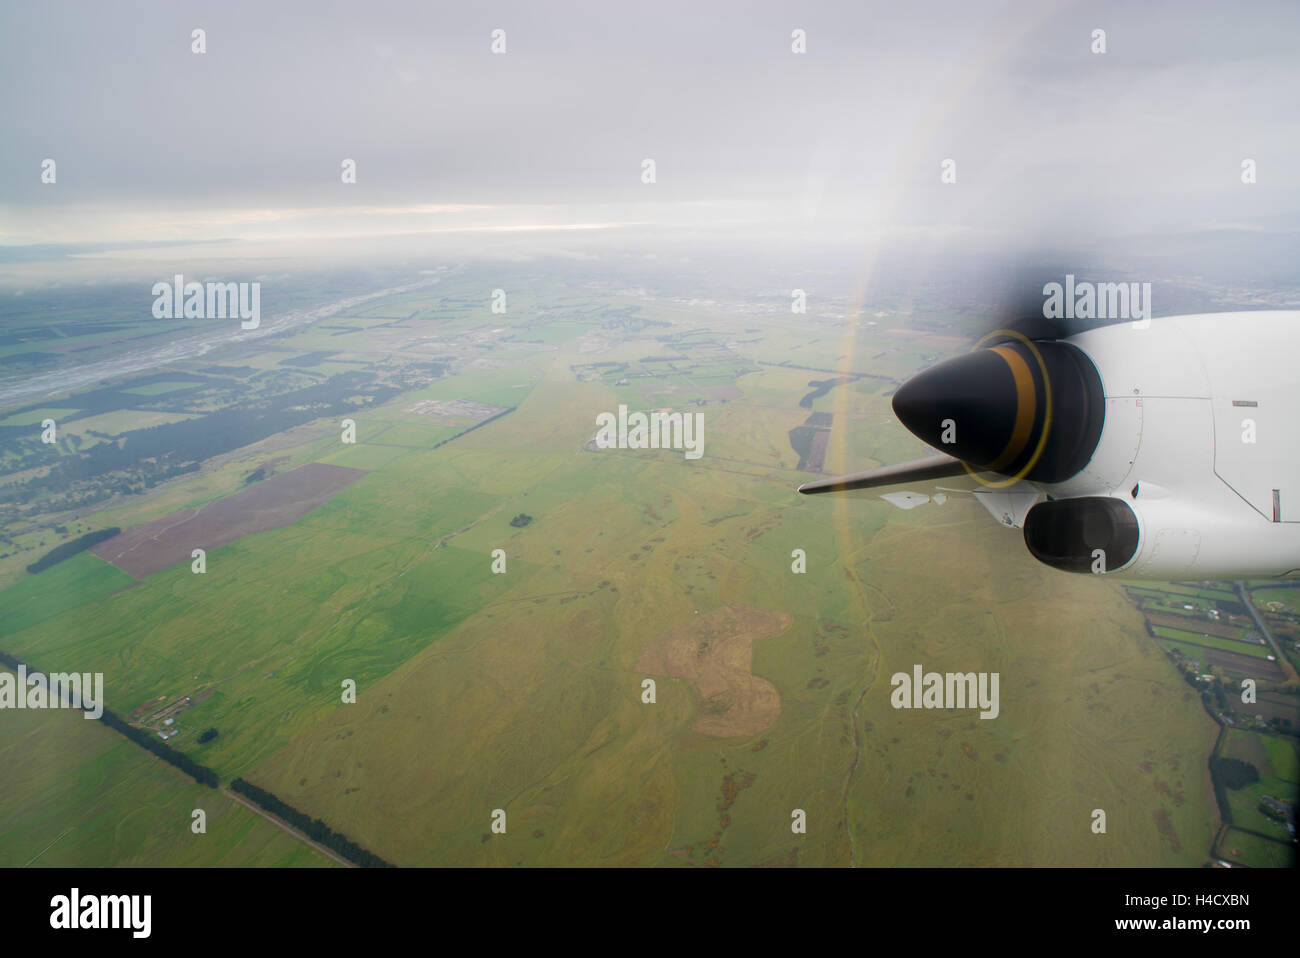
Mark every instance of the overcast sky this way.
pixel 155 143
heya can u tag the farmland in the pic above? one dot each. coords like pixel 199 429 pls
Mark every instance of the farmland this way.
pixel 522 689
pixel 76 793
pixel 1221 654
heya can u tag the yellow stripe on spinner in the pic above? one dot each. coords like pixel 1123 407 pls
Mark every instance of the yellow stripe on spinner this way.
pixel 1026 400
pixel 1047 413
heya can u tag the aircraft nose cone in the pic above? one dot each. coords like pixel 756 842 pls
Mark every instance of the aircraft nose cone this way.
pixel 978 407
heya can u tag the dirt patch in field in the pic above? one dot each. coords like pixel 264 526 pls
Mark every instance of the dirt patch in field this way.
pixel 268 504
pixel 455 409
pixel 141 709
pixel 1165 826
pixel 715 653
pixel 721 392
pixel 817 454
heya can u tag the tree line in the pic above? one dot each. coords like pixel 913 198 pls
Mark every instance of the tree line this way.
pixel 313 828
pixel 477 425
pixel 142 737
pixel 148 740
pixel 70 548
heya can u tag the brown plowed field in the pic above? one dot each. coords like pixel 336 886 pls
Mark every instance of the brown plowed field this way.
pixel 268 504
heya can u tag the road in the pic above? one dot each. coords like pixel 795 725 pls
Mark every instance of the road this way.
pixel 253 807
pixel 1283 662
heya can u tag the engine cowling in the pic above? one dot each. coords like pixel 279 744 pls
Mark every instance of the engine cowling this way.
pixel 1156 536
pixel 1093 534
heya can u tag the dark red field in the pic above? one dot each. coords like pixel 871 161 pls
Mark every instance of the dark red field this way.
pixel 268 504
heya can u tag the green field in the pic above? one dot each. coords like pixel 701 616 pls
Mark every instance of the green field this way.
pixel 71 583
pixel 1246 811
pixel 162 388
pixel 1255 851
pixel 521 690
pixel 1284 757
pixel 35 417
pixel 77 794
pixel 1172 593
pixel 1211 641
pixel 115 423
pixel 414 435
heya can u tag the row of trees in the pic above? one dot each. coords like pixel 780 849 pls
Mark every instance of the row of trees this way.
pixel 70 548
pixel 1233 772
pixel 148 740
pixel 477 425
pixel 142 737
pixel 313 828
pixel 1230 773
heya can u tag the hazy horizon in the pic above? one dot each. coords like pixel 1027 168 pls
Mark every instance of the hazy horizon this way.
pixel 538 151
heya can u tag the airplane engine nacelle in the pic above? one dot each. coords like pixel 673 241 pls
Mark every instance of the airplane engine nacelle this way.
pixel 1094 534
pixel 1154 537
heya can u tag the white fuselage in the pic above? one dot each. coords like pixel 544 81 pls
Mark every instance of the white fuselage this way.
pixel 1202 439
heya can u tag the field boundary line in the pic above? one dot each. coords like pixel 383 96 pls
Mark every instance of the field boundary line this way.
pixel 277 820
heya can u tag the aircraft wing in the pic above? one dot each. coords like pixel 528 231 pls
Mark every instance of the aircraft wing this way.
pixel 907 485
pixel 917 471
